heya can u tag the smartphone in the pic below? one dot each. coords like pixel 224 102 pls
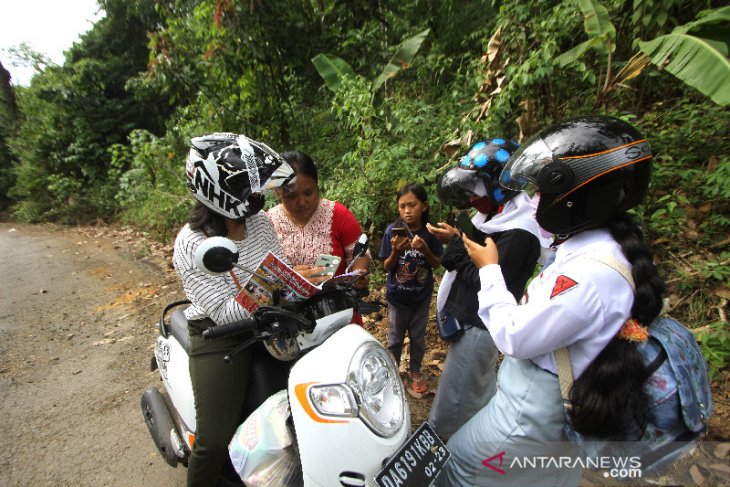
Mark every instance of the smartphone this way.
pixel 330 264
pixel 400 232
pixel 463 223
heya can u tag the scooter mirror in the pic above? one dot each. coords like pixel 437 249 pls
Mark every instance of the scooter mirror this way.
pixel 216 255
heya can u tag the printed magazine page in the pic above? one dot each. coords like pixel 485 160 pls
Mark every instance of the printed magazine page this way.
pixel 258 292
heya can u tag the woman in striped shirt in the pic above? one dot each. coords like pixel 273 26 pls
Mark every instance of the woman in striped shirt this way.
pixel 227 174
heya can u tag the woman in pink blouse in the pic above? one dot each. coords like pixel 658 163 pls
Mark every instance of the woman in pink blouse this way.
pixel 308 225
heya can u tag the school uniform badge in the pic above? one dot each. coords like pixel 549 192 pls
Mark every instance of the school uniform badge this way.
pixel 562 284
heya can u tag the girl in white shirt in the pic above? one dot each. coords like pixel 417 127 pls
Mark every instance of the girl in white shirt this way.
pixel 588 171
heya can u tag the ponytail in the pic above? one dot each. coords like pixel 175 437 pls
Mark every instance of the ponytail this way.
pixel 608 398
pixel 205 219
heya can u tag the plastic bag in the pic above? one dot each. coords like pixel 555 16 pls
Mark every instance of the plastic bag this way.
pixel 261 449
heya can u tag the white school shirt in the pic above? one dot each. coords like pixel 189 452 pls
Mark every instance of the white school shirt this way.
pixel 576 302
pixel 214 296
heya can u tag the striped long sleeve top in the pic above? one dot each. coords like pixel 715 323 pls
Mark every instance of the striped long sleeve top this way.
pixel 214 296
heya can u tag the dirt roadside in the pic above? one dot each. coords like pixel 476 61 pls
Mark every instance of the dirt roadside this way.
pixel 78 308
pixel 76 333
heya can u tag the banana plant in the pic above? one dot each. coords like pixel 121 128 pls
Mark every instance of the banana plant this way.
pixel 333 69
pixel 696 53
pixel 601 38
pixel 600 30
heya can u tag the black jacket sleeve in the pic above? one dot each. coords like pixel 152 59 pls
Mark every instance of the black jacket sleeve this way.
pixel 518 253
pixel 455 258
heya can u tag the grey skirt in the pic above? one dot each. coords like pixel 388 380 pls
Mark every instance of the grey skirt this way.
pixel 517 438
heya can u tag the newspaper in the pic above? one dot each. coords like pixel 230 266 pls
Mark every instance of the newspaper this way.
pixel 292 285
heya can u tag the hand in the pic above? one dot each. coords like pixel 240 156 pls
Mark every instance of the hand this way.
pixel 418 244
pixel 362 282
pixel 481 255
pixel 399 244
pixel 361 266
pixel 306 272
pixel 442 231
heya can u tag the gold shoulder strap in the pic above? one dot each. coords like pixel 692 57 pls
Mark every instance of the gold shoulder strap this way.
pixel 562 356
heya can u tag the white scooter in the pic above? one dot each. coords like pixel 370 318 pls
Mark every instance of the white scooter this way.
pixel 349 418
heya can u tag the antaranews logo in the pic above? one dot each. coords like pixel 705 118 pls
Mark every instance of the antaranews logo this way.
pixel 488 462
pixel 614 467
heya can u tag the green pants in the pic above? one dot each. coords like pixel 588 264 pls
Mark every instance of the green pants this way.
pixel 219 390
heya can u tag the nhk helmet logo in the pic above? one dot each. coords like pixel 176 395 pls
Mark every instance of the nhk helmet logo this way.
pixel 205 184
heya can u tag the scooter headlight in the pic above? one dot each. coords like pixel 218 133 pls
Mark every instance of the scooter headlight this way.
pixel 374 378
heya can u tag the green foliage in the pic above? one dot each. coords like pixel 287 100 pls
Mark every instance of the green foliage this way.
pixel 650 16
pixel 333 70
pixel 8 121
pixel 600 30
pixel 401 59
pixel 700 60
pixel 152 192
pixel 533 34
pixel 714 340
pixel 697 53
pixel 105 135
pixel 669 216
pixel 717 270
pixel 692 167
pixel 367 169
pixel 73 113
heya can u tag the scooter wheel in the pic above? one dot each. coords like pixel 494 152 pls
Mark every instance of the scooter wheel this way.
pixel 160 423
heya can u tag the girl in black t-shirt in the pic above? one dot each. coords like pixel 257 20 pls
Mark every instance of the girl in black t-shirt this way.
pixel 410 253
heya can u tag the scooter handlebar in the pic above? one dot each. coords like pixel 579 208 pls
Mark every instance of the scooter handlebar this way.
pixel 242 326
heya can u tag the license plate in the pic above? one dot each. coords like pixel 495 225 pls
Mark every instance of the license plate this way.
pixel 417 463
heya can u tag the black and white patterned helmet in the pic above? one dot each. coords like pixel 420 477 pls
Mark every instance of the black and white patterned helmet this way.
pixel 224 169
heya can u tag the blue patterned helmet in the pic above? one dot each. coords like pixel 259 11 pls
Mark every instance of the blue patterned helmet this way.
pixel 484 162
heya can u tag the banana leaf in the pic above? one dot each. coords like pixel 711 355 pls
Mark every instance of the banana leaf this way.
pixel 332 69
pixel 573 54
pixel 705 19
pixel 401 59
pixel 597 24
pixel 699 61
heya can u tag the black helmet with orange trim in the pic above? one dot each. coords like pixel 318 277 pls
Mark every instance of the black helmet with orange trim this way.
pixel 586 169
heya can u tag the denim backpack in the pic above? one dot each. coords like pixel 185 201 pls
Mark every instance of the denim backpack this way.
pixel 678 390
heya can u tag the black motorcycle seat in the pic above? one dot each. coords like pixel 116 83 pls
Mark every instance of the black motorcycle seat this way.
pixel 179 329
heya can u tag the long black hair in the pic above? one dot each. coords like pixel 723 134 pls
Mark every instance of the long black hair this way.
pixel 204 219
pixel 608 398
pixel 420 192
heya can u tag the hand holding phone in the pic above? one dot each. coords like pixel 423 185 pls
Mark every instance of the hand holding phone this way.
pixel 330 264
pixel 464 223
pixel 400 232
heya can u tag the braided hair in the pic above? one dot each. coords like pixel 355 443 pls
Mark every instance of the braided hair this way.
pixel 608 398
